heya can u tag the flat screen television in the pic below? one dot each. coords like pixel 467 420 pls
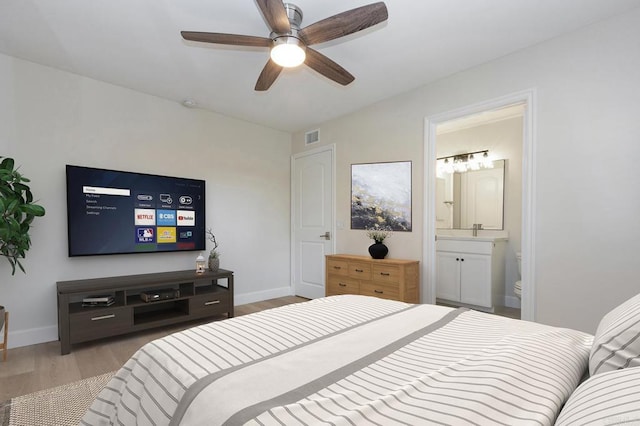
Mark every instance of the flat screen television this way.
pixel 117 212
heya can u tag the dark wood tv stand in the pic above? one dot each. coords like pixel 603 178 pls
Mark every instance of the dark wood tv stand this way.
pixel 200 296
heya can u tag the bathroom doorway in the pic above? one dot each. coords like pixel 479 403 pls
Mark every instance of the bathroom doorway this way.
pixel 501 129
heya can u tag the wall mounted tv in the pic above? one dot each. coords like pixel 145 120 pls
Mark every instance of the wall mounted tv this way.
pixel 116 212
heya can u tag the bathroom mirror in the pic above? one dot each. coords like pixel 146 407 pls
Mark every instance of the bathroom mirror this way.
pixel 473 196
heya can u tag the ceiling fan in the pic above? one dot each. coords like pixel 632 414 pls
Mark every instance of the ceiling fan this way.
pixel 290 44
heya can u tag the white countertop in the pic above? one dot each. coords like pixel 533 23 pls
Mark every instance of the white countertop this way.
pixel 467 235
pixel 471 238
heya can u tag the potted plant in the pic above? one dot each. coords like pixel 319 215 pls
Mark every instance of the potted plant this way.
pixel 214 256
pixel 378 250
pixel 17 211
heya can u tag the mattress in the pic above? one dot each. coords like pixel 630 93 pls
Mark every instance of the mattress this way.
pixel 352 360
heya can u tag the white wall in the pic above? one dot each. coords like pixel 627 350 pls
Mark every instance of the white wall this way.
pixel 586 144
pixel 50 118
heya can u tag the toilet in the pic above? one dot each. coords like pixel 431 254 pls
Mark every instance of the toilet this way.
pixel 517 287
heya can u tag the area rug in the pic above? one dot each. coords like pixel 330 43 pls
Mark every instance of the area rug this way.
pixel 60 406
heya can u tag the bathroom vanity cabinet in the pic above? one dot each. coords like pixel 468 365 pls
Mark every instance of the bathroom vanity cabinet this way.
pixel 471 272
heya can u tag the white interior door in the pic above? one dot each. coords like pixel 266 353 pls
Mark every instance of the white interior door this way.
pixel 312 218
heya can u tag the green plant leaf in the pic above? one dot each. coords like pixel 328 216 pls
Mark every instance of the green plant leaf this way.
pixel 33 209
pixel 7 164
pixel 13 205
pixel 20 187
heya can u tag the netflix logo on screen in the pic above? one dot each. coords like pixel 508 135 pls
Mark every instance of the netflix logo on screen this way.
pixel 145 217
pixel 186 218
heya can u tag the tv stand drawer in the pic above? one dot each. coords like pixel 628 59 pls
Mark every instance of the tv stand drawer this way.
pixel 209 304
pixel 99 322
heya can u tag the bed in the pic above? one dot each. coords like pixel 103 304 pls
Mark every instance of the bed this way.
pixel 358 360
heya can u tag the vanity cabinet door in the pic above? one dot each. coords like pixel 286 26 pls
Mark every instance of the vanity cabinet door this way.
pixel 475 279
pixel 448 276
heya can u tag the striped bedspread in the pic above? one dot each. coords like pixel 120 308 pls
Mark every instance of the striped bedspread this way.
pixel 349 360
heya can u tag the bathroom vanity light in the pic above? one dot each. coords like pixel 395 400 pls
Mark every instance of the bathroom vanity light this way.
pixel 461 163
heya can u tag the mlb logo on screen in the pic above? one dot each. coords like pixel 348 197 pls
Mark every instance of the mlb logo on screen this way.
pixel 145 235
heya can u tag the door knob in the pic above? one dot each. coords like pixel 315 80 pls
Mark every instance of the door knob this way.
pixel 326 235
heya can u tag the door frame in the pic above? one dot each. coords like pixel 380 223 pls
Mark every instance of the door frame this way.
pixel 528 97
pixel 292 251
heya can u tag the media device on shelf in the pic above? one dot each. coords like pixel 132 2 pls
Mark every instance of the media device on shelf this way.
pixel 117 212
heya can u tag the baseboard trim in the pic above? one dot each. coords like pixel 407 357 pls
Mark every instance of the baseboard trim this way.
pixel 259 296
pixel 33 336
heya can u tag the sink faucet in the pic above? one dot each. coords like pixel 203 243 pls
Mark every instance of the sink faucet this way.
pixel 476 227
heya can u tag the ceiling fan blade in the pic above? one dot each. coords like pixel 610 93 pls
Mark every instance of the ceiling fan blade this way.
pixel 269 73
pixel 344 23
pixel 220 38
pixel 327 67
pixel 275 14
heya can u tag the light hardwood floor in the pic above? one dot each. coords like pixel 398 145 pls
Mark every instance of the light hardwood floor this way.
pixel 37 367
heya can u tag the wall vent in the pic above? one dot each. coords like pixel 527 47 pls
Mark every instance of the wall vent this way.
pixel 312 136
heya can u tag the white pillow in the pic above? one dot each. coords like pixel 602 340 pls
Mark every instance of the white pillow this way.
pixel 617 341
pixel 605 399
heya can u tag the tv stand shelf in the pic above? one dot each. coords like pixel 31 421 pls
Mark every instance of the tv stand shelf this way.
pixel 196 296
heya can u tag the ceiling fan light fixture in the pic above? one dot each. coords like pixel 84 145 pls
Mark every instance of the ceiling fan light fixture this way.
pixel 288 52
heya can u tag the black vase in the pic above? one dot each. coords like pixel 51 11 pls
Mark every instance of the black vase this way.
pixel 378 250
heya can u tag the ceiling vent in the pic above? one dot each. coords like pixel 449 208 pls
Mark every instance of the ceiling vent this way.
pixel 312 136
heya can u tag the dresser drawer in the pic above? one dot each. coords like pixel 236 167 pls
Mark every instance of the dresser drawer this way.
pixel 339 285
pixel 101 322
pixel 387 274
pixel 380 290
pixel 209 304
pixel 361 271
pixel 338 267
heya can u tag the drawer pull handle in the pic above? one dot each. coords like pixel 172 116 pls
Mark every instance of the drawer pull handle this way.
pixel 337 267
pixel 342 284
pixel 359 270
pixel 385 274
pixel 212 302
pixel 103 317
pixel 378 291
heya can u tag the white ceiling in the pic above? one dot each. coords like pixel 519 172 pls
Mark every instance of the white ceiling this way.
pixel 137 44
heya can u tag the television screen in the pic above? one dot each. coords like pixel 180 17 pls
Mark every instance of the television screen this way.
pixel 114 212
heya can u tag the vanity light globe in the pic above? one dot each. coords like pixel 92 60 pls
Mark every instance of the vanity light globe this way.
pixel 487 163
pixel 473 164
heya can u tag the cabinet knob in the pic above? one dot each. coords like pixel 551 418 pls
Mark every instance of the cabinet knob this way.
pixel 378 291
pixel 337 267
pixel 461 260
pixel 359 270
pixel 385 274
pixel 342 284
pixel 457 259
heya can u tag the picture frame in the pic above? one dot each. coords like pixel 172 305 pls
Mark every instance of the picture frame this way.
pixel 381 196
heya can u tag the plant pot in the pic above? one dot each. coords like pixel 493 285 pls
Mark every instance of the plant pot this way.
pixel 214 264
pixel 378 250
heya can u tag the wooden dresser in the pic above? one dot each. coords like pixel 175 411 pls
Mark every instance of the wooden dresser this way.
pixel 395 279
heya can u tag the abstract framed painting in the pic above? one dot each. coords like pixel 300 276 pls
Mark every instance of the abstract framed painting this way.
pixel 381 196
